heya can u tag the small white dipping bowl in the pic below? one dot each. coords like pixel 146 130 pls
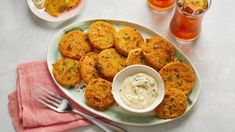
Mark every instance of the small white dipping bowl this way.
pixel 129 71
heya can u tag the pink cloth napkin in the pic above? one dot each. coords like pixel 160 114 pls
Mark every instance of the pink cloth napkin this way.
pixel 27 114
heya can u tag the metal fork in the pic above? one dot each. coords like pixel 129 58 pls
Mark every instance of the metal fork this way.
pixel 60 104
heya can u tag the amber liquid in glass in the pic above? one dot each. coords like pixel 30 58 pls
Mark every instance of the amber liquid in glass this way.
pixel 161 5
pixel 186 22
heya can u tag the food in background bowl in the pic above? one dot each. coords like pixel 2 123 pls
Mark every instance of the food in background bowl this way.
pixel 56 7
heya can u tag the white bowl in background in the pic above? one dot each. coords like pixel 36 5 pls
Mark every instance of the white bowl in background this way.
pixel 66 15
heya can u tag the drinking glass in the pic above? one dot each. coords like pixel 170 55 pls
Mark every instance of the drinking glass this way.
pixel 186 22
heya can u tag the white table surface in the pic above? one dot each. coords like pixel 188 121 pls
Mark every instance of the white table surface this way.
pixel 24 38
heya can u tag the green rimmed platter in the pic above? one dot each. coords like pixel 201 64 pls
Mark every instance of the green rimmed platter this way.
pixel 116 113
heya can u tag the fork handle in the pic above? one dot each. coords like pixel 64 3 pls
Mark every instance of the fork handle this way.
pixel 105 126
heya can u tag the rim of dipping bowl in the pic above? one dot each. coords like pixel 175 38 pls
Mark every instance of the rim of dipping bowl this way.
pixel 133 69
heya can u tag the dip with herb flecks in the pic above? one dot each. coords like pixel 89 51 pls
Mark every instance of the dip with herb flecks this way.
pixel 139 91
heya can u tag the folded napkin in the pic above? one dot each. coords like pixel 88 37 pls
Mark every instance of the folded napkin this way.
pixel 27 114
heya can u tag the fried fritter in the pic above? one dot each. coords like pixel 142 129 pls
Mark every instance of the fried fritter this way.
pixel 66 72
pixel 87 67
pixel 135 56
pixel 98 94
pixel 158 52
pixel 74 45
pixel 127 39
pixel 56 7
pixel 70 4
pixel 101 35
pixel 178 75
pixel 110 62
pixel 174 104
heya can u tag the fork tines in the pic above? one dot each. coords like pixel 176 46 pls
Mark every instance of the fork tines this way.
pixel 46 96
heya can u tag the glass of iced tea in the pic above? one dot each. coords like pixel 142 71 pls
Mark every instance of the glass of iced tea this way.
pixel 161 5
pixel 186 22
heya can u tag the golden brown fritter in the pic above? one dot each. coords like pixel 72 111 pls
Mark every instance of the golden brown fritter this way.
pixel 174 104
pixel 74 45
pixel 87 67
pixel 135 56
pixel 110 62
pixel 101 35
pixel 56 7
pixel 66 72
pixel 178 75
pixel 70 4
pixel 98 94
pixel 158 52
pixel 127 39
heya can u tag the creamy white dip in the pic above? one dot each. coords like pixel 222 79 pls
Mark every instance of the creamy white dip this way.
pixel 139 91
